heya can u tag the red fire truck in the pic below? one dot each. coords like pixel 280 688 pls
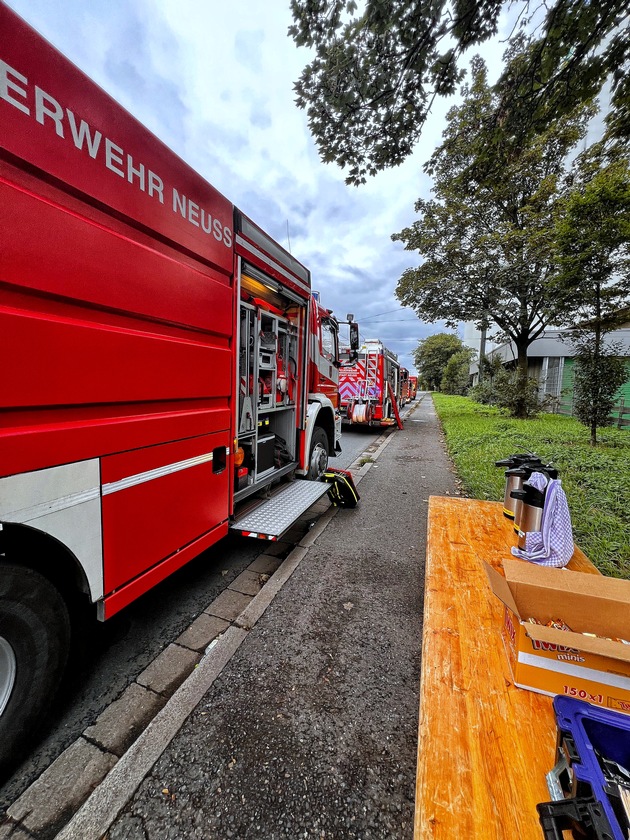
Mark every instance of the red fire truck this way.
pixel 370 389
pixel 413 387
pixel 404 386
pixel 163 361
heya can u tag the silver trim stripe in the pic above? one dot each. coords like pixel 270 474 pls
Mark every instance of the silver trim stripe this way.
pixel 614 680
pixel 159 472
pixel 52 506
pixel 537 690
pixel 72 499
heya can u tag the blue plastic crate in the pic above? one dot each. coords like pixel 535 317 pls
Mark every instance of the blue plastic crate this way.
pixel 591 774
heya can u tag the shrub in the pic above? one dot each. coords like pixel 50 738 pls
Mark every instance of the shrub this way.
pixel 502 392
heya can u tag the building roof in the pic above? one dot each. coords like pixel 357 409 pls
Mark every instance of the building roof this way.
pixel 551 344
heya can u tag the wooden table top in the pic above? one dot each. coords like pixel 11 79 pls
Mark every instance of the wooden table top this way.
pixel 484 746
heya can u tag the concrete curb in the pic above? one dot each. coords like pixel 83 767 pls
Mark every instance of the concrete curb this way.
pixel 105 804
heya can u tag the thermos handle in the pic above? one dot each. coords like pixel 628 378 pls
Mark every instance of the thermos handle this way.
pixel 529 495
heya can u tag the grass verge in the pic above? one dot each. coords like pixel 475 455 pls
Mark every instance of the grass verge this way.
pixel 596 480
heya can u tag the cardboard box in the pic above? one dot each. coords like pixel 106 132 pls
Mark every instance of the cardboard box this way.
pixel 552 661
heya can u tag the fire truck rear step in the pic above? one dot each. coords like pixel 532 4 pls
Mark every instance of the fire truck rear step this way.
pixel 272 517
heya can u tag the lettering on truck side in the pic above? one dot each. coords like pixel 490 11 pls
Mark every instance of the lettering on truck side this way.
pixel 15 89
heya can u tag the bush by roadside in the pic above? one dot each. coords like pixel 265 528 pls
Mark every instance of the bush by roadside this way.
pixel 596 480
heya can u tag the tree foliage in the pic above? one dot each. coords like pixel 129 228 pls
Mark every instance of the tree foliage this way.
pixel 432 354
pixel 509 394
pixel 593 240
pixel 456 375
pixel 593 253
pixel 487 244
pixel 599 373
pixel 375 73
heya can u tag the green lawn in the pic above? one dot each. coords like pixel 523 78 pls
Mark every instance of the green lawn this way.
pixel 595 480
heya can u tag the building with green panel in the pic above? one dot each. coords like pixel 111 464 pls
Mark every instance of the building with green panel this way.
pixel 550 362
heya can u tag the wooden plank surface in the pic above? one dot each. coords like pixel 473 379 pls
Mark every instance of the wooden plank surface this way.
pixel 484 746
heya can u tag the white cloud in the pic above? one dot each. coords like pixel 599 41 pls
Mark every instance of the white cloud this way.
pixel 215 84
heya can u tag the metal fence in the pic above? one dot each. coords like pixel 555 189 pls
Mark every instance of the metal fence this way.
pixel 620 414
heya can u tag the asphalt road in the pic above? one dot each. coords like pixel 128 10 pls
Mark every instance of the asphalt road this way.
pixel 123 647
pixel 310 729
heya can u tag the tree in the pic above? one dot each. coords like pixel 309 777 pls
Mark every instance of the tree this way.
pixel 599 373
pixel 432 354
pixel 375 75
pixel 488 243
pixel 593 253
pixel 485 391
pixel 593 239
pixel 455 378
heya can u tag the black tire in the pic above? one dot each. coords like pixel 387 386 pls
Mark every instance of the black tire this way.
pixel 34 646
pixel 318 456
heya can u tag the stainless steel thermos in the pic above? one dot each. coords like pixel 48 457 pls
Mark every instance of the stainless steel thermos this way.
pixel 524 474
pixel 522 502
pixel 531 501
pixel 514 478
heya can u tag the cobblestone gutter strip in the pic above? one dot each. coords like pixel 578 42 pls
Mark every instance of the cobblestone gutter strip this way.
pixel 84 790
pixel 104 805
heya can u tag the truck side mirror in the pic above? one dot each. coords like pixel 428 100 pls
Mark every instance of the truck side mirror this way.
pixel 354 336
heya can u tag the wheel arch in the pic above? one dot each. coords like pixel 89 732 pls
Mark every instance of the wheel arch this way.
pixel 321 413
pixel 23 545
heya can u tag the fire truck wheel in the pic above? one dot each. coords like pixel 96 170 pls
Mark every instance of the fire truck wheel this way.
pixel 318 460
pixel 34 645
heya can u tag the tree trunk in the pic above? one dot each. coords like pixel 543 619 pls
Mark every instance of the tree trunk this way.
pixel 521 409
pixel 597 352
pixel 482 349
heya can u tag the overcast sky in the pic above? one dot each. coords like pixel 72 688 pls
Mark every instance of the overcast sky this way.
pixel 214 82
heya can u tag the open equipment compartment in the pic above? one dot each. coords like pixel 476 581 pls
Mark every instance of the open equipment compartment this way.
pixel 269 396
